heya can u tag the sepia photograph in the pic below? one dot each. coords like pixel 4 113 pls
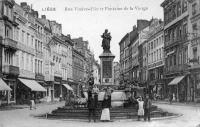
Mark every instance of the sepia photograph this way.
pixel 99 63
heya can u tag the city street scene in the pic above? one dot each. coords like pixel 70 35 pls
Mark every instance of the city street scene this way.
pixel 92 63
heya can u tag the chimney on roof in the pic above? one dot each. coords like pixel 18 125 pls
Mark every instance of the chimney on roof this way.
pixel 43 16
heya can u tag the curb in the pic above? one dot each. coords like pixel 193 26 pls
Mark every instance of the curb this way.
pixel 123 120
pixel 177 104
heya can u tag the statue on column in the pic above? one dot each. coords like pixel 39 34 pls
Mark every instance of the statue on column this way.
pixel 106 41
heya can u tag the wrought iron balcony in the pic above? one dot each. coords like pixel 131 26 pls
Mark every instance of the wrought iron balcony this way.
pixel 9 43
pixel 10 70
pixel 176 69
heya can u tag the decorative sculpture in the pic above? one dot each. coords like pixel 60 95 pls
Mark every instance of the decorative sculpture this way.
pixel 106 41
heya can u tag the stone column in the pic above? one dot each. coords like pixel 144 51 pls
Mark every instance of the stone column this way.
pixel 107 69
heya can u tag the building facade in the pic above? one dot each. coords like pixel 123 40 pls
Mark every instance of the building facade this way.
pixel 194 51
pixel 8 50
pixel 156 57
pixel 116 73
pixel 176 41
pixel 96 72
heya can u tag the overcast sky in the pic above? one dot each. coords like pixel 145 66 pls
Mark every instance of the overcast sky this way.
pixel 90 24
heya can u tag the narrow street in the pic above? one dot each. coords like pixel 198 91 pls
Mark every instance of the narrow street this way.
pixel 24 118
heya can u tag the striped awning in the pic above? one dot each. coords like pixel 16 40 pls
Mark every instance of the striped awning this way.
pixel 68 87
pixel 4 86
pixel 176 80
pixel 32 84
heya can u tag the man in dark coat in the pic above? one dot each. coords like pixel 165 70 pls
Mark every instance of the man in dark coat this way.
pixel 92 105
pixel 147 108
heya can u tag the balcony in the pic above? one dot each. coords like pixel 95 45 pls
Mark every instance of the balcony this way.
pixel 10 70
pixel 10 43
pixel 176 69
pixel 39 76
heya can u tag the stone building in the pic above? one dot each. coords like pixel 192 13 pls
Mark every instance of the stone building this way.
pixel 116 73
pixel 8 50
pixel 124 61
pixel 96 72
pixel 78 70
pixel 194 51
pixel 156 57
pixel 176 44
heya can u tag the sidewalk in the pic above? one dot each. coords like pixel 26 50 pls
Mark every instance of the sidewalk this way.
pixel 14 107
pixel 193 104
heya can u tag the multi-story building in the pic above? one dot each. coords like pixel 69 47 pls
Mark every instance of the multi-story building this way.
pixel 124 61
pixel 48 66
pixel 194 50
pixel 8 51
pixel 67 74
pixel 156 57
pixel 78 70
pixel 26 55
pixel 116 66
pixel 176 43
pixel 56 44
pixel 96 72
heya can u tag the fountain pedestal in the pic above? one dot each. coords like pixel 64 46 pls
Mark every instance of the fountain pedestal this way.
pixel 107 70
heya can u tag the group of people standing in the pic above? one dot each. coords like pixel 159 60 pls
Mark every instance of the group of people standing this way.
pixel 144 108
pixel 93 104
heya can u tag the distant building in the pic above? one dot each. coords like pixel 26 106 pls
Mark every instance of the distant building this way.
pixel 156 57
pixel 116 73
pixel 96 72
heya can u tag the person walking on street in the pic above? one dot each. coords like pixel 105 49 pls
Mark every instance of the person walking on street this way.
pixel 140 108
pixel 147 108
pixel 92 105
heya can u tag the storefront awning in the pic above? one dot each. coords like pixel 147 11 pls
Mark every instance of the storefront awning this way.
pixel 32 84
pixel 68 87
pixel 176 80
pixel 4 86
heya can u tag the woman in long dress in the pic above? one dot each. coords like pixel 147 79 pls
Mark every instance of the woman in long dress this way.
pixel 140 108
pixel 105 115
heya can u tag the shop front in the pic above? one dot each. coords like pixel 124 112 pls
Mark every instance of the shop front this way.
pixel 57 88
pixel 66 89
pixel 27 89
pixel 178 87
pixel 4 92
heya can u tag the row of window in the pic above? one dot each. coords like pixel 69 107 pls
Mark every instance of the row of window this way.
pixel 177 59
pixel 155 43
pixel 66 73
pixel 156 55
pixel 175 10
pixel 176 33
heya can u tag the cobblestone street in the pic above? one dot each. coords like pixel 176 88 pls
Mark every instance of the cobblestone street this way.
pixel 25 118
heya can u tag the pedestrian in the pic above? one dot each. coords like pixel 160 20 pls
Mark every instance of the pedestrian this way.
pixel 140 108
pixel 92 108
pixel 147 108
pixel 32 102
pixel 174 98
pixel 105 115
pixel 170 98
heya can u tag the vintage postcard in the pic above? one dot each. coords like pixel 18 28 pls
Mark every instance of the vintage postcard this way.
pixel 99 63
